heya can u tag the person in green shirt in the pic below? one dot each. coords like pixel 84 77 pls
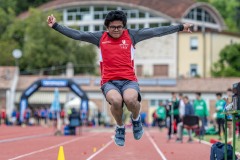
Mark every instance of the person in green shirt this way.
pixel 161 115
pixel 220 103
pixel 200 109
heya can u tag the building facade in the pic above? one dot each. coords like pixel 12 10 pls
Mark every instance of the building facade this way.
pixel 173 56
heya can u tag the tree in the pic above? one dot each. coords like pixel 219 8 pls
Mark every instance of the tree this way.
pixel 228 65
pixel 20 6
pixel 8 4
pixel 229 10
pixel 45 49
pixel 6 58
pixel 7 17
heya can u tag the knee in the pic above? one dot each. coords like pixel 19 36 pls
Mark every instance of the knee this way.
pixel 115 102
pixel 131 102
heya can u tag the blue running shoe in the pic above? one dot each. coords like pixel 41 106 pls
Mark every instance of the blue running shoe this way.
pixel 137 128
pixel 119 138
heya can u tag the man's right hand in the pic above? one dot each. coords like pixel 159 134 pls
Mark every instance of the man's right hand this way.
pixel 51 20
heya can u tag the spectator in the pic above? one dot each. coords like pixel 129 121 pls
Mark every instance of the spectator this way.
pixel 3 116
pixel 219 115
pixel 154 117
pixel 62 115
pixel 43 115
pixel 228 100
pixel 181 105
pixel 161 115
pixel 14 117
pixel 99 117
pixel 200 109
pixel 27 115
pixel 37 116
pixel 174 115
pixel 143 116
pixel 74 121
pixel 188 110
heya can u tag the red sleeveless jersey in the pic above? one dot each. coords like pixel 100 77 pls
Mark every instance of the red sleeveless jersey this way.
pixel 117 58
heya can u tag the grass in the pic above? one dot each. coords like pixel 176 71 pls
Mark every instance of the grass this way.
pixel 208 137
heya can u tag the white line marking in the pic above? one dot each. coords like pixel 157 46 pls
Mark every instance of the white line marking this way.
pixel 25 137
pixel 52 147
pixel 92 156
pixel 155 146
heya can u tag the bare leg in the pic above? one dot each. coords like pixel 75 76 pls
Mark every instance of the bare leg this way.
pixel 130 98
pixel 115 99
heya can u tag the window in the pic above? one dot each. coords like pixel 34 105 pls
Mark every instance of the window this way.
pixel 152 25
pixel 208 18
pixel 160 70
pixel 98 27
pixel 133 26
pixel 97 16
pixel 153 102
pixel 190 14
pixel 193 70
pixel 78 17
pixel 72 10
pixel 133 15
pixel 84 28
pixel 98 9
pixel 70 17
pixel 166 24
pixel 87 9
pixel 193 43
pixel 141 15
pixel 141 26
pixel 199 14
pixel 111 8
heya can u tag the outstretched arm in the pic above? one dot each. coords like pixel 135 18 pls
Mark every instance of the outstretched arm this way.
pixel 91 37
pixel 147 33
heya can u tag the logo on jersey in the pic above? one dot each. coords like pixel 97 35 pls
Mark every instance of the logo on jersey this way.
pixel 106 42
pixel 124 45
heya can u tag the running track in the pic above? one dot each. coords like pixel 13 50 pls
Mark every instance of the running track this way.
pixel 39 143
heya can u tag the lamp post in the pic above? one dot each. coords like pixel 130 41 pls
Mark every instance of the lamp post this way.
pixel 17 53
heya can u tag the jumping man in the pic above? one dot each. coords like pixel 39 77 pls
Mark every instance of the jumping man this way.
pixel 118 79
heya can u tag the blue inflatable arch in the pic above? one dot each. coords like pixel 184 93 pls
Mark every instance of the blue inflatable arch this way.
pixel 54 83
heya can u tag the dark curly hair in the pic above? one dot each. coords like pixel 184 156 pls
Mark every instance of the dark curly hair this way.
pixel 116 15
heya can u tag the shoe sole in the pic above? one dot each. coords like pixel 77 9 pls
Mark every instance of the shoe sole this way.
pixel 118 144
pixel 140 137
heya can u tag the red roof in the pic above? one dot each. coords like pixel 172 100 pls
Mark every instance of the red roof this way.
pixel 171 8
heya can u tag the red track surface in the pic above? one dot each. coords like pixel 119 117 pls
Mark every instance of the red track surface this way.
pixel 38 143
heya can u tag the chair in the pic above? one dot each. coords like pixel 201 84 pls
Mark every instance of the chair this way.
pixel 192 122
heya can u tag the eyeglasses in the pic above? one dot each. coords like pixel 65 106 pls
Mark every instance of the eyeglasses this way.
pixel 116 27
